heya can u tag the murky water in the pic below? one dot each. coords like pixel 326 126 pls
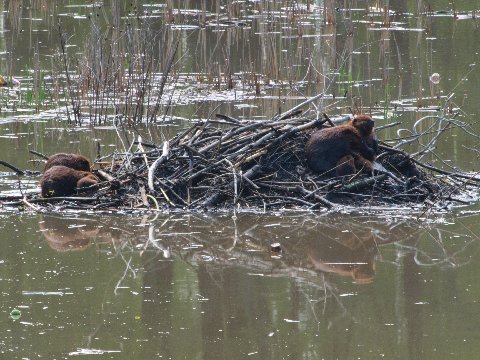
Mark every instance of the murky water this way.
pixel 211 286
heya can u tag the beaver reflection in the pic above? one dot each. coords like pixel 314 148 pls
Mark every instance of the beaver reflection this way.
pixel 70 234
pixel 348 254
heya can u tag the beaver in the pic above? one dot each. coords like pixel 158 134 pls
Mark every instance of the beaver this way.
pixel 343 149
pixel 345 165
pixel 73 161
pixel 60 180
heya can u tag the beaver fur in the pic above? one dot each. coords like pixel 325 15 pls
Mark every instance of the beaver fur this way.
pixel 345 165
pixel 73 161
pixel 343 149
pixel 60 180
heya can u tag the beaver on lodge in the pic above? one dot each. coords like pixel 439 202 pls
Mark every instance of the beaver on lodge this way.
pixel 343 149
pixel 60 180
pixel 73 161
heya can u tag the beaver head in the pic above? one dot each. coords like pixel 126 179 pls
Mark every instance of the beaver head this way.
pixel 364 124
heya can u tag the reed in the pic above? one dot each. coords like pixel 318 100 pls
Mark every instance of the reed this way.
pixel 122 70
pixel 129 68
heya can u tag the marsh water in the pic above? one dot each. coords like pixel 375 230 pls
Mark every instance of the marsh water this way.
pixel 371 283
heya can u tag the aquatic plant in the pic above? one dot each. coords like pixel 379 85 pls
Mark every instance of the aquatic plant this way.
pixel 122 71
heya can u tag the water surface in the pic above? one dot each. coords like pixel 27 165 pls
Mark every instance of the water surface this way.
pixel 367 284
pixel 205 286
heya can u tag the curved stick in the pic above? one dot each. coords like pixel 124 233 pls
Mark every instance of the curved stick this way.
pixel 157 163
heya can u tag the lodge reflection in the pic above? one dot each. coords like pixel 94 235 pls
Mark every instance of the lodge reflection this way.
pixel 237 304
pixel 158 302
pixel 324 248
pixel 199 273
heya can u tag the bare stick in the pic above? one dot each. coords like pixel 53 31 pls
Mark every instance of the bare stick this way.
pixel 321 199
pixel 26 202
pixel 157 163
pixel 217 197
pixel 14 168
pixel 38 154
pixel 299 106
pixel 105 175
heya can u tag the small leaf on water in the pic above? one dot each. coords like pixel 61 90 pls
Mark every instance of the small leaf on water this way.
pixel 15 314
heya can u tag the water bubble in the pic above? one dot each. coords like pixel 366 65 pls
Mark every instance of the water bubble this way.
pixel 435 78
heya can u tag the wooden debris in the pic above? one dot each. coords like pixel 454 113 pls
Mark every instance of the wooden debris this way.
pixel 253 165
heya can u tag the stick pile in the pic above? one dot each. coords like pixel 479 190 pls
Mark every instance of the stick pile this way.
pixel 253 165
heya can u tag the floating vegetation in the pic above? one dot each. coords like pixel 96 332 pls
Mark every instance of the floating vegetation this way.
pixel 15 314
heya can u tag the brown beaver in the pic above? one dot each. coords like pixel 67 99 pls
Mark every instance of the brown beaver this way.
pixel 73 161
pixel 343 149
pixel 346 165
pixel 60 180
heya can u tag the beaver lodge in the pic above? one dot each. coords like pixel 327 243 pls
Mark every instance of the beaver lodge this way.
pixel 256 165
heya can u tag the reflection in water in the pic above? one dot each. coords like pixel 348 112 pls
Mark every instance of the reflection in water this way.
pixel 73 234
pixel 157 291
pixel 413 298
pixel 350 255
pixel 327 249
pixel 309 248
pixel 209 287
